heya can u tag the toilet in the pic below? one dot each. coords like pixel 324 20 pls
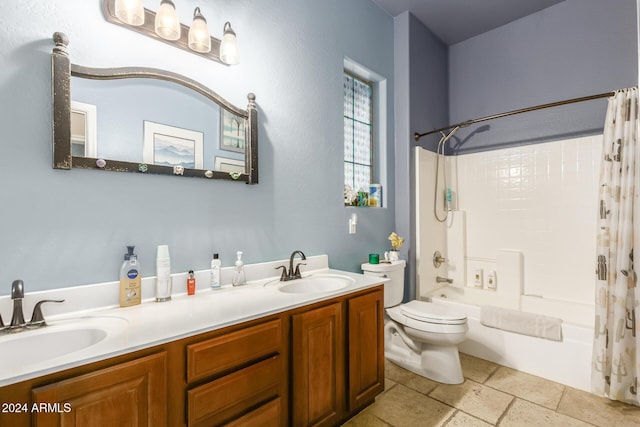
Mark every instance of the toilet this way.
pixel 419 336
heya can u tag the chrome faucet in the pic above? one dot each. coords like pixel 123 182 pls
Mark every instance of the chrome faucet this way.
pixel 292 274
pixel 17 318
pixel 443 280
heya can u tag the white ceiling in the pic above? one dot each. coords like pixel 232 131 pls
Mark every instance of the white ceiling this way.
pixel 456 20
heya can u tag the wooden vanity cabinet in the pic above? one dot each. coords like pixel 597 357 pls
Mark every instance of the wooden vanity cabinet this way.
pixel 337 358
pixel 314 365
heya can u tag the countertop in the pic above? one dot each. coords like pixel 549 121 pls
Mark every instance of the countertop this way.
pixel 150 323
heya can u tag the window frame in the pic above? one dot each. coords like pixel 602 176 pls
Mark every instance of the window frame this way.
pixel 372 130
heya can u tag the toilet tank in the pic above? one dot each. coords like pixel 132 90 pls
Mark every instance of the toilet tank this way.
pixel 394 289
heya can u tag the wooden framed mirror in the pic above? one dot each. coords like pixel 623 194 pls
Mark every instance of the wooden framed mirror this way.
pixel 147 120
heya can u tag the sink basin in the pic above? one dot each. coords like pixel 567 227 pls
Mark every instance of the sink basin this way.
pixel 59 339
pixel 316 284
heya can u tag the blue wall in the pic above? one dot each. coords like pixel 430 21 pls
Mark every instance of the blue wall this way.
pixel 421 103
pixel 63 228
pixel 573 49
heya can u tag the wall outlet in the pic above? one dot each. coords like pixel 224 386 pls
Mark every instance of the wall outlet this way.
pixel 477 278
pixel 492 281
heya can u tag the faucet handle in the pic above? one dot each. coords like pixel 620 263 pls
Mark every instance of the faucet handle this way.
pixel 17 289
pixel 283 276
pixel 297 273
pixel 37 319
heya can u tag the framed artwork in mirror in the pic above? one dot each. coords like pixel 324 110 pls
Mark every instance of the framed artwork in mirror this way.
pixel 232 136
pixel 172 146
pixel 224 164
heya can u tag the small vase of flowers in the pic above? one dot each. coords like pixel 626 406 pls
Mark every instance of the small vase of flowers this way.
pixel 396 244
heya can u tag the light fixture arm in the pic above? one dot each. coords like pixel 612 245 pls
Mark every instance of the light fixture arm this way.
pixel 148 29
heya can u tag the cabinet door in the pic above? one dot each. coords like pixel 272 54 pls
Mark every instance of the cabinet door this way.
pixel 318 366
pixel 366 349
pixel 129 394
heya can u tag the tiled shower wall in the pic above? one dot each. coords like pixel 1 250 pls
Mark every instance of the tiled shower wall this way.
pixel 540 200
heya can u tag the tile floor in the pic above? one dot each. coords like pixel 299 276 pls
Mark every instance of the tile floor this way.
pixel 491 395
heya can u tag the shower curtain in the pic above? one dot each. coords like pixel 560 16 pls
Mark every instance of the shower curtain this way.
pixel 616 349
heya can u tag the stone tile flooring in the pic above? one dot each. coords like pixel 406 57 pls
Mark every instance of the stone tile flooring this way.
pixel 491 395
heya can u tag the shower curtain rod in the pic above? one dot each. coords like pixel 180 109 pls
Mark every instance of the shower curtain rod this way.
pixel 417 135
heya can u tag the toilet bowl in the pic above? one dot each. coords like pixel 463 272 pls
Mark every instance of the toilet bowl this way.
pixel 419 336
pixel 423 338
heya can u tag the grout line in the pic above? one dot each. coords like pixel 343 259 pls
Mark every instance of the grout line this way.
pixel 451 416
pixel 507 409
pixel 564 392
pixel 492 374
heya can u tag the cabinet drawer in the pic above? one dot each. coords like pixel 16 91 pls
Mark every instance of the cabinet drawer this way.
pixel 229 397
pixel 225 352
pixel 267 415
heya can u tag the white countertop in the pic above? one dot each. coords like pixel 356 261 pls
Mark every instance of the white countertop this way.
pixel 151 323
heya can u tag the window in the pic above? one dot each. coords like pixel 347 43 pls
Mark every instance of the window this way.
pixel 84 130
pixel 358 132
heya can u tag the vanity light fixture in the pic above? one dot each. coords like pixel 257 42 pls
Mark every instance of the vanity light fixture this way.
pixel 130 11
pixel 229 47
pixel 164 25
pixel 167 24
pixel 199 38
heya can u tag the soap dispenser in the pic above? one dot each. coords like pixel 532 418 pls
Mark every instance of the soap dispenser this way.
pixel 238 274
pixel 130 280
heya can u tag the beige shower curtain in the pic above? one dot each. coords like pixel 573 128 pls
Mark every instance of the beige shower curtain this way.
pixel 616 349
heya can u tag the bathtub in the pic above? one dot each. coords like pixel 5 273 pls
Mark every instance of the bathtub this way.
pixel 567 362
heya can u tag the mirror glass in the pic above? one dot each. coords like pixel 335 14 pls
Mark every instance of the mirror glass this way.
pixel 156 122
pixel 148 120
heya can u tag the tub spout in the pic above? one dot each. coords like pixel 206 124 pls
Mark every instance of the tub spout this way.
pixel 443 280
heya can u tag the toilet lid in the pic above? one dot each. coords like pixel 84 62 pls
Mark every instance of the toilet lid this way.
pixel 433 313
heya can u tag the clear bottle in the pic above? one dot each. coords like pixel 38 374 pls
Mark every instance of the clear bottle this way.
pixel 130 280
pixel 239 278
pixel 215 272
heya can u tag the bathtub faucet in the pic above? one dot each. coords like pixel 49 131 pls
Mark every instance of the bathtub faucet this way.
pixel 443 280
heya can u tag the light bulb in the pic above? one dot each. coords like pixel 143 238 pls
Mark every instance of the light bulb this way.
pixel 199 38
pixel 130 11
pixel 167 24
pixel 228 47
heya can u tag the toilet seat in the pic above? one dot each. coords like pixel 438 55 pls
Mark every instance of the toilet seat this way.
pixel 429 317
pixel 432 313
